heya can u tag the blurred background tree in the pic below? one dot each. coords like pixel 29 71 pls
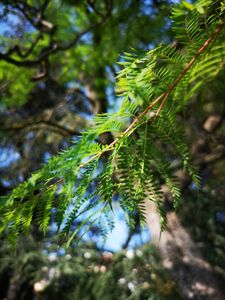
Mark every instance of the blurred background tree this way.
pixel 57 70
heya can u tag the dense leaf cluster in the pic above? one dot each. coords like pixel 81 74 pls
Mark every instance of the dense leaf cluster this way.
pixel 155 86
pixel 86 273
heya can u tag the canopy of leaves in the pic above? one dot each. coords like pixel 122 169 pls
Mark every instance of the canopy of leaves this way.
pixel 89 274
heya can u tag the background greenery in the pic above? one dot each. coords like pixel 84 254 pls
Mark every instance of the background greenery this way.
pixel 57 70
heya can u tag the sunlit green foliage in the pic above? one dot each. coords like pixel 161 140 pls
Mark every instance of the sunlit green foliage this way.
pixel 15 85
pixel 155 87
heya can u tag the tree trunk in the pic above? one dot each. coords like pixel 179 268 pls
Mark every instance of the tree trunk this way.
pixel 193 275
pixel 12 291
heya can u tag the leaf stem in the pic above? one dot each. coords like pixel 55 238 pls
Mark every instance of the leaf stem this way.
pixel 165 95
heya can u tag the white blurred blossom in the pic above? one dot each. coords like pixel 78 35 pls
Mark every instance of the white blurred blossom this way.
pixel 96 269
pixel 40 285
pixel 87 255
pixel 102 269
pixel 52 257
pixel 51 273
pixel 122 281
pixel 131 286
pixel 139 253
pixel 130 254
pixel 68 256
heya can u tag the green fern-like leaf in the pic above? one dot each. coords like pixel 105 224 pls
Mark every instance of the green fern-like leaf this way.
pixel 78 185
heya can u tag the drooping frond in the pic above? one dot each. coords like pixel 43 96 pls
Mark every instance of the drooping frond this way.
pixel 78 185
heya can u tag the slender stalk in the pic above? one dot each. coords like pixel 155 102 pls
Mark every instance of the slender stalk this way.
pixel 165 95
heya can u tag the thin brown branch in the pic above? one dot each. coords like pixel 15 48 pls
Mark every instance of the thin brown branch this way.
pixel 54 47
pixel 35 126
pixel 129 129
pixel 165 95
pixel 16 49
